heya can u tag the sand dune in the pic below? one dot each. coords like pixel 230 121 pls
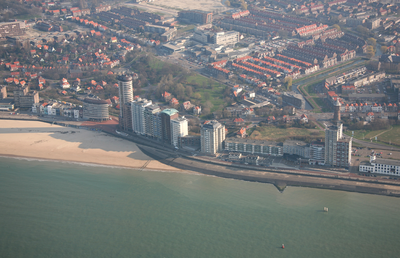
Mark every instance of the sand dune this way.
pixel 45 141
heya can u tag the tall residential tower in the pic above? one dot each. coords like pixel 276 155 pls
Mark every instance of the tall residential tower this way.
pixel 125 98
pixel 212 136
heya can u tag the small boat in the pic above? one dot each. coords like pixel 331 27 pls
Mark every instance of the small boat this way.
pixel 283 246
pixel 326 209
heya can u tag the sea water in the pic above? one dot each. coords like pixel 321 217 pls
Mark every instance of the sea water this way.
pixel 55 209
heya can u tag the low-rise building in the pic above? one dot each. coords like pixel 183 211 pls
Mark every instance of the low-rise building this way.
pixel 298 148
pixel 254 146
pixel 294 99
pixel 381 166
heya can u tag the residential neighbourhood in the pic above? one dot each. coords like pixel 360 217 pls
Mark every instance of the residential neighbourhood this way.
pixel 270 67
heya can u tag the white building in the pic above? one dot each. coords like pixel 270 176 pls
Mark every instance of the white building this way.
pixel 138 119
pixel 226 38
pixel 125 86
pixel 212 136
pixel 152 121
pixel 337 148
pixel 65 84
pixel 381 166
pixel 179 127
pixel 317 154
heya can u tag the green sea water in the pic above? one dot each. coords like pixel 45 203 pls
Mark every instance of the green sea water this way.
pixel 54 209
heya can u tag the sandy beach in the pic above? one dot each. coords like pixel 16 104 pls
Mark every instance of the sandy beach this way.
pixel 45 141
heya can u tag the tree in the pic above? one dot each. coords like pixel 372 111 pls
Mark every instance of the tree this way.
pixel 227 3
pixel 370 51
pixel 336 27
pixel 206 111
pixel 197 95
pixel 384 49
pixel 208 104
pixel 363 30
pixel 189 91
pixel 288 81
pixel 371 41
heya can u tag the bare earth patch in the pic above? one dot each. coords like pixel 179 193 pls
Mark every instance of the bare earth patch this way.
pixel 204 5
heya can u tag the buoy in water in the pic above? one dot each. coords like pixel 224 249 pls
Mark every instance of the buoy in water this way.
pixel 283 246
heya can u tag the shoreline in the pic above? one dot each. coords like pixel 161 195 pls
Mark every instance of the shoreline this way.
pixel 91 164
pixel 57 143
pixel 40 140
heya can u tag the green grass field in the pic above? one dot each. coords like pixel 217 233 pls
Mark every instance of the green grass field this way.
pixel 186 28
pixel 215 93
pixel 391 136
pixel 156 64
pixel 273 133
pixel 27 16
pixel 321 103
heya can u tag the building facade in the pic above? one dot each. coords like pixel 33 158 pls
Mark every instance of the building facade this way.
pixel 95 109
pixel 212 136
pixel 317 154
pixel 254 146
pixel 179 128
pixel 196 16
pixel 125 86
pixel 294 99
pixel 298 148
pixel 138 115
pixel 381 166
pixel 23 98
pixel 337 148
pixel 152 121
pixel 226 38
pixel 165 118
pixel 3 91
pixel 125 91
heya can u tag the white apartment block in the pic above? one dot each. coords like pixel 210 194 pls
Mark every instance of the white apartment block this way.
pixel 337 148
pixel 138 120
pixel 212 137
pixel 226 38
pixel 179 127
